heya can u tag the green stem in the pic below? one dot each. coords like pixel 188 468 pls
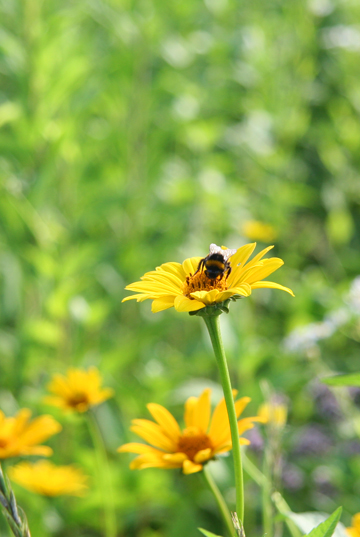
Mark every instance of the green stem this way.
pixel 104 476
pixel 266 496
pixel 213 325
pixel 276 497
pixel 219 500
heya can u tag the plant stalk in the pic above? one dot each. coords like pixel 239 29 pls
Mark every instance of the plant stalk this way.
pixel 104 476
pixel 213 325
pixel 219 500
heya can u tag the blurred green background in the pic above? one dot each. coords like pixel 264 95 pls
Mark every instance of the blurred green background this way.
pixel 135 133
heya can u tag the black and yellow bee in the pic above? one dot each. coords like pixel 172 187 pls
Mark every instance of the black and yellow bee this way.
pixel 217 263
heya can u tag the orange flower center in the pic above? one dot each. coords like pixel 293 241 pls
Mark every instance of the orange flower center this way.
pixel 3 442
pixel 78 400
pixel 200 282
pixel 192 441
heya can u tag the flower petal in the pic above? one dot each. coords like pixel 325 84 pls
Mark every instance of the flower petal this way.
pixel 271 285
pixel 175 458
pixel 190 265
pixel 184 304
pixel 206 297
pixel 203 455
pixel 166 420
pixel 135 447
pixel 259 273
pixel 202 411
pixel 191 468
pixel 238 260
pixel 161 304
pixel 189 414
pixel 151 432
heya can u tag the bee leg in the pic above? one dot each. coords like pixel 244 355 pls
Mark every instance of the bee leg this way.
pixel 200 266
pixel 228 272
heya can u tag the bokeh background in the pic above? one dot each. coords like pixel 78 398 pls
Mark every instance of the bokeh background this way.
pixel 135 133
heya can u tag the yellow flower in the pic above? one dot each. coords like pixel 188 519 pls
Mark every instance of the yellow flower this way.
pixel 78 390
pixel 259 231
pixel 176 284
pixel 190 448
pixel 20 436
pixel 47 479
pixel 354 530
pixel 274 414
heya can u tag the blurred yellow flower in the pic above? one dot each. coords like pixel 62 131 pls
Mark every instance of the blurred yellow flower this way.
pixel 78 390
pixel 354 530
pixel 47 479
pixel 190 448
pixel 259 231
pixel 185 288
pixel 20 436
pixel 274 414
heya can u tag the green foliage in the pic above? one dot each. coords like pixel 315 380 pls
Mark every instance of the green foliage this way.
pixel 207 533
pixel 327 528
pixel 135 133
pixel 343 380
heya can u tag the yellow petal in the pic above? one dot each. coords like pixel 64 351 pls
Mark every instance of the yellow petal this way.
pixel 220 420
pixel 191 468
pixel 166 420
pixel 190 265
pixel 259 256
pixel 202 411
pixel 163 303
pixel 135 447
pixel 259 273
pixel 152 433
pixel 238 261
pixel 184 304
pixel 190 406
pixel 247 423
pixel 271 285
pixel 203 455
pixel 175 458
pixel 206 297
pixel 241 404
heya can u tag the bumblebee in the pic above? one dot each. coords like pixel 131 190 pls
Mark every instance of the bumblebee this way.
pixel 216 264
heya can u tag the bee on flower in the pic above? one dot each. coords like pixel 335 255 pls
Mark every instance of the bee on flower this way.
pixel 203 438
pixel 200 282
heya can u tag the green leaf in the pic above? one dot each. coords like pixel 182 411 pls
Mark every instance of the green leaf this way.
pixel 327 528
pixel 319 524
pixel 343 380
pixel 208 533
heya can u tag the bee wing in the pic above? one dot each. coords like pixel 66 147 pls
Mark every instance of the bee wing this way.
pixel 226 253
pixel 214 249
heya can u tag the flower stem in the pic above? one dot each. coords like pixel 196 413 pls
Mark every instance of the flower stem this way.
pixel 213 325
pixel 219 500
pixel 104 476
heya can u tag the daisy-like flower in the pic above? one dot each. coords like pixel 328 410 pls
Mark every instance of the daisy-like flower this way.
pixel 47 479
pixel 201 440
pixel 78 390
pixel 354 530
pixel 21 436
pixel 186 286
pixel 274 413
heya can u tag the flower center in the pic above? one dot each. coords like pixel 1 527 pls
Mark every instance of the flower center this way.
pixel 78 399
pixel 4 442
pixel 192 441
pixel 200 282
